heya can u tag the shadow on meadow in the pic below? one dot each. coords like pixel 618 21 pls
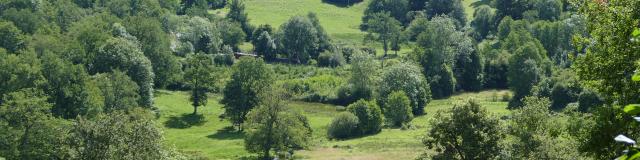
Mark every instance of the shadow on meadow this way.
pixel 184 121
pixel 227 133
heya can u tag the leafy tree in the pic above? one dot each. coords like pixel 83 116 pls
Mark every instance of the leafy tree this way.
pixel 369 115
pixel 333 58
pixel 396 8
pixel 589 100
pixel 299 39
pixel 237 14
pixel 466 131
pixel 512 8
pixel 70 89
pixel 363 80
pixel 525 70
pixel 29 131
pixel 241 94
pixel 155 45
pixel 118 135
pixel 483 21
pixel 231 33
pixel 397 109
pixel 437 47
pixel 120 53
pixel 496 65
pixel 344 125
pixel 201 34
pixel 536 134
pixel 119 91
pixel 548 9
pixel 20 71
pixel 265 46
pixel 384 28
pixel 468 66
pixel 26 20
pixel 11 38
pixel 607 67
pixel 272 126
pixel 409 79
pixel 259 30
pixel 199 76
pixel 451 8
pixel 416 27
pixel 324 42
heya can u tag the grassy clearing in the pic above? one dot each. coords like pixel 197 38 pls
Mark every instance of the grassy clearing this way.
pixel 208 137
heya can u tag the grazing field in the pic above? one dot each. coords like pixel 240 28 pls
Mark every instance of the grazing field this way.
pixel 208 137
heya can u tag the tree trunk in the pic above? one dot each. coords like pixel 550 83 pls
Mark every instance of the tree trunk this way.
pixel 195 110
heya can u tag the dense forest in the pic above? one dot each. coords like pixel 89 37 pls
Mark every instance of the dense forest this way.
pixel 98 79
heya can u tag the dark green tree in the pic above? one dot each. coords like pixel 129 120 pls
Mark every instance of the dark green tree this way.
pixel 397 109
pixel 466 131
pixel 324 42
pixel 238 14
pixel 200 77
pixel 20 71
pixel 299 38
pixel 384 29
pixel 451 8
pixel 483 21
pixel 369 115
pixel 250 77
pixel 265 46
pixel 11 37
pixel 272 126
pixel 408 78
pixel 119 91
pixel 396 8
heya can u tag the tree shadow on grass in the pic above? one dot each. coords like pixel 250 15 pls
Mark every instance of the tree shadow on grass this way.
pixel 227 133
pixel 344 4
pixel 187 120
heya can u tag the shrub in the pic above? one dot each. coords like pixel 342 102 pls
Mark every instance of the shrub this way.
pixel 588 100
pixel 369 114
pixel 345 125
pixel 409 79
pixel 331 59
pixel 397 109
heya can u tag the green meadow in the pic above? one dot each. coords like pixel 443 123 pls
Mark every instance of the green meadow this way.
pixel 209 137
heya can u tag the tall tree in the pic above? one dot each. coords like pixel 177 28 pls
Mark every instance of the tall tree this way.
pixel 199 76
pixel 11 37
pixel 396 8
pixel 119 91
pixel 250 77
pixel 363 76
pixel 525 69
pixel 19 71
pixel 299 38
pixel 324 42
pixel 409 79
pixel 29 131
pixel 384 28
pixel 466 131
pixel 272 126
pixel 238 14
pixel 483 21
pixel 451 8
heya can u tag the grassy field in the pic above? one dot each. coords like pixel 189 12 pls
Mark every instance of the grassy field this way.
pixel 211 138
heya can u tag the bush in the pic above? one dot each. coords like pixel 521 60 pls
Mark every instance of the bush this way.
pixel 345 125
pixel 331 59
pixel 369 114
pixel 397 109
pixel 409 79
pixel 588 100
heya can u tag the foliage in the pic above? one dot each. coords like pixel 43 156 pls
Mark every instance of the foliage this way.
pixel 231 33
pixel 344 125
pixel 272 126
pixel 437 48
pixel 369 115
pixel 451 8
pixel 200 78
pixel 397 109
pixel 483 21
pixel 155 45
pixel 11 38
pixel 331 58
pixel 119 91
pixel 70 89
pixel 299 39
pixel 465 131
pixel 407 78
pixel 265 46
pixel 363 77
pixel 384 27
pixel 589 100
pixel 20 71
pixel 123 54
pixel 469 66
pixel 526 65
pixel 29 131
pixel 396 8
pixel 237 14
pixel 324 42
pixel 118 135
pixel 250 77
